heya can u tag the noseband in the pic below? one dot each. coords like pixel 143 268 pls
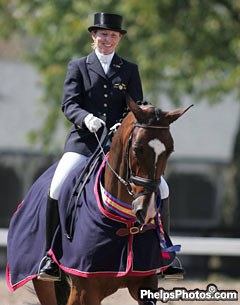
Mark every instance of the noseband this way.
pixel 150 185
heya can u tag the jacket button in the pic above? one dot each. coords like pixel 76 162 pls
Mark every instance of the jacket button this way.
pixel 104 114
pixel 105 95
pixel 105 105
pixel 105 86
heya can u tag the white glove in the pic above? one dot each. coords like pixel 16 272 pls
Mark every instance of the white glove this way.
pixel 93 123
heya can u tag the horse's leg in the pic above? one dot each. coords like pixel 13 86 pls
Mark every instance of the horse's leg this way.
pixel 45 292
pixel 134 284
pixel 75 296
pixel 62 289
pixel 93 290
pixel 84 292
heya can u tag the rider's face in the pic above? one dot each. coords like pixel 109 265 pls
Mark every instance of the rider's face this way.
pixel 106 41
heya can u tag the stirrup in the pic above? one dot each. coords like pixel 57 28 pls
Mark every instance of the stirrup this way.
pixel 49 278
pixel 43 276
pixel 174 276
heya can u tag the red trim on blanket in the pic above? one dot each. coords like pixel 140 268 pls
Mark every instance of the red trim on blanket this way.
pixel 18 207
pixel 165 255
pixel 19 284
pixel 128 271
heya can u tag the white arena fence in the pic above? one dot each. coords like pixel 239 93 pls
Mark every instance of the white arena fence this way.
pixel 212 246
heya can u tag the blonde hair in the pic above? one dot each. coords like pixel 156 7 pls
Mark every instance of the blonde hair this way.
pixel 93 44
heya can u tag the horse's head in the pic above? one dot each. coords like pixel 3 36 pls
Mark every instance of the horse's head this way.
pixel 148 146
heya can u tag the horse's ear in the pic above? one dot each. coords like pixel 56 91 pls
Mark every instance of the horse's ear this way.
pixel 175 114
pixel 136 110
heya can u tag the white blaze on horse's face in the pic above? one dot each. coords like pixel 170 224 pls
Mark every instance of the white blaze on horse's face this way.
pixel 158 148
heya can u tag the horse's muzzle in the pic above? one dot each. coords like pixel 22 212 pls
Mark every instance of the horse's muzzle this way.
pixel 144 207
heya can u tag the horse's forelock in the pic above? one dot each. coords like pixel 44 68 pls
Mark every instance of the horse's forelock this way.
pixel 152 115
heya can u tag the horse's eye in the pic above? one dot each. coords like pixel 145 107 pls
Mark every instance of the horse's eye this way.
pixel 137 149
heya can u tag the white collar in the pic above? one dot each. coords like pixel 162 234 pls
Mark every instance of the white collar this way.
pixel 105 59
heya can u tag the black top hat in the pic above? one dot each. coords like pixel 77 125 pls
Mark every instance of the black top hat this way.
pixel 108 22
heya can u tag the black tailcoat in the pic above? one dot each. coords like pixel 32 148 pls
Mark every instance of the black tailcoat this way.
pixel 88 90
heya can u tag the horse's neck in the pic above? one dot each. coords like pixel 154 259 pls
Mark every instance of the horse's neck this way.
pixel 117 163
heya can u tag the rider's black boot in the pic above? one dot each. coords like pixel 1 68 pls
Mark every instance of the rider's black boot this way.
pixel 172 272
pixel 166 215
pixel 48 269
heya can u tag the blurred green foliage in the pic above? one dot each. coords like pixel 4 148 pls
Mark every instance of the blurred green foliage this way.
pixel 182 47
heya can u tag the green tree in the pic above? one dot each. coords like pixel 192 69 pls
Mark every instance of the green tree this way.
pixel 183 47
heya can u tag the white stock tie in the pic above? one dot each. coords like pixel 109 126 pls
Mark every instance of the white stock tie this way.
pixel 104 59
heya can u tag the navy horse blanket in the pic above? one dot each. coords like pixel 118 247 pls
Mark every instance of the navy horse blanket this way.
pixel 95 248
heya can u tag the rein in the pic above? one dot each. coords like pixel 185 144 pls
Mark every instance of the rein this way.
pixel 150 185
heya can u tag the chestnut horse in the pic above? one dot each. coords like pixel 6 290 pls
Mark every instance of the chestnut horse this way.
pixel 137 160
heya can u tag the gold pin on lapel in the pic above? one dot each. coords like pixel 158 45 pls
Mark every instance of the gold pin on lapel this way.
pixel 120 86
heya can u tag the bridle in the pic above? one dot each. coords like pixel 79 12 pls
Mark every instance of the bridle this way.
pixel 150 185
